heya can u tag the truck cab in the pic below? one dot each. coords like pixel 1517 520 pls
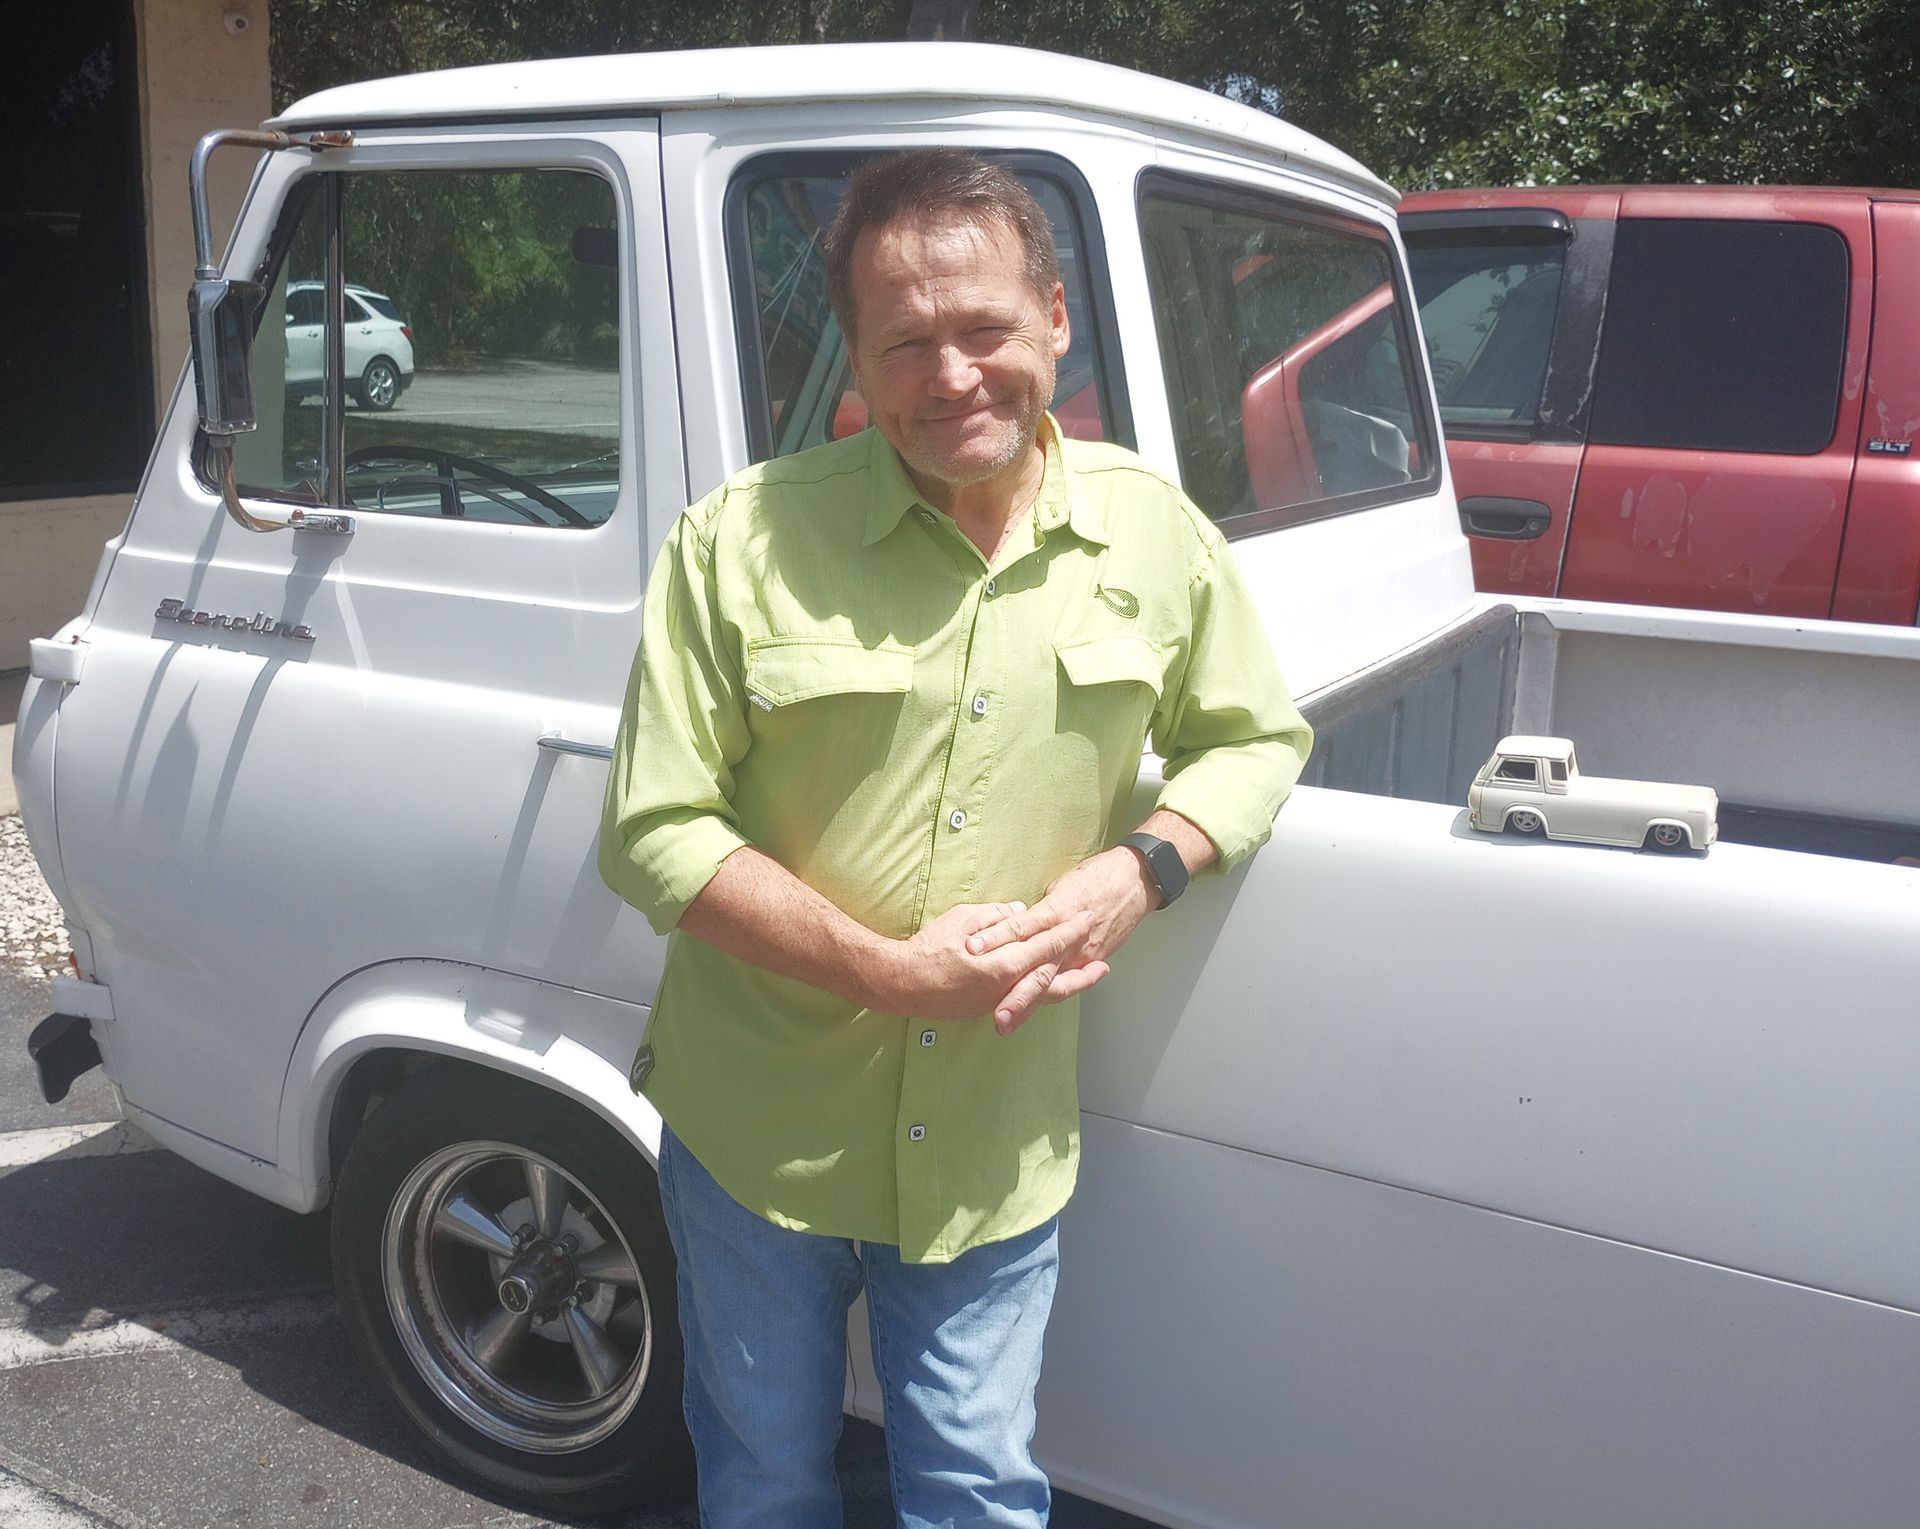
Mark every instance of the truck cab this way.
pixel 1535 786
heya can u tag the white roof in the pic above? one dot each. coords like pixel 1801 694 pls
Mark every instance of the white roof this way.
pixel 828 72
pixel 1543 748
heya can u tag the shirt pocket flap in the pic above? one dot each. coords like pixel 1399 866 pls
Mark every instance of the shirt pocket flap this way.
pixel 1112 660
pixel 785 669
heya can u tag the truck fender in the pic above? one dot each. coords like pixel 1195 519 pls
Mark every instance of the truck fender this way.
pixel 1685 827
pixel 1546 823
pixel 578 1044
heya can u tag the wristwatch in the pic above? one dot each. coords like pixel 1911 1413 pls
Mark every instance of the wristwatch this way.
pixel 1165 868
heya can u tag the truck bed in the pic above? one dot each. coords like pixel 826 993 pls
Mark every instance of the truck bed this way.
pixel 1800 739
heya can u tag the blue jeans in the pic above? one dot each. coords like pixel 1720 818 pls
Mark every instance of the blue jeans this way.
pixel 764 1313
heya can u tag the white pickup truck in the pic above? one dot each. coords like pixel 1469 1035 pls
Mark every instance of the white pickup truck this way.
pixel 1429 1177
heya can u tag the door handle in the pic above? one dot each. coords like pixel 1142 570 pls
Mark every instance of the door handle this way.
pixel 1513 520
pixel 559 745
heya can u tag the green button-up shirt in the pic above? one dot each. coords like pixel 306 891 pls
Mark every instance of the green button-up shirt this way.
pixel 831 671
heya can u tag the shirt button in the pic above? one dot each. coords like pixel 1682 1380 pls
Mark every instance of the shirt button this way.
pixel 956 819
pixel 927 1037
pixel 990 584
pixel 979 706
pixel 916 1133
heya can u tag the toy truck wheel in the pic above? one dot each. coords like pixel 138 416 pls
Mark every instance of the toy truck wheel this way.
pixel 1523 820
pixel 503 1268
pixel 1668 836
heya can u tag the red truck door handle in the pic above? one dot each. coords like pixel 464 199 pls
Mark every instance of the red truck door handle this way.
pixel 1513 520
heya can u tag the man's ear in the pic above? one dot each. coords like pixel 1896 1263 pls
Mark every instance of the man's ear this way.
pixel 1061 332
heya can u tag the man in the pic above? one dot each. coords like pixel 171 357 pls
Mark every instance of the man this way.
pixel 890 701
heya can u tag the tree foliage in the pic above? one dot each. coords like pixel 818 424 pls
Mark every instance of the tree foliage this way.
pixel 1445 92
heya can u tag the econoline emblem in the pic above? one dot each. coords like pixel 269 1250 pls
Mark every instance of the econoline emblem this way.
pixel 259 622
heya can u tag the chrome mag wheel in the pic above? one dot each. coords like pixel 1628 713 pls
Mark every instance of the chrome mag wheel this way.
pixel 517 1297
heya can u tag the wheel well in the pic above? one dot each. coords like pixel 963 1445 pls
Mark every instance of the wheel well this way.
pixel 383 356
pixel 369 1080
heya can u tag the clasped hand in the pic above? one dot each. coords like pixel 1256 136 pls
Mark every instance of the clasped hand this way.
pixel 1010 959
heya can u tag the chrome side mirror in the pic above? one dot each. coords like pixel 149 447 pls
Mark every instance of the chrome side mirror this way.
pixel 221 314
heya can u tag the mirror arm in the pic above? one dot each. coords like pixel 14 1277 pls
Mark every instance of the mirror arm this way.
pixel 226 402
pixel 220 459
pixel 205 266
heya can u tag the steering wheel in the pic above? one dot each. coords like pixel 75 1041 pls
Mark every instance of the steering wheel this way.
pixel 446 463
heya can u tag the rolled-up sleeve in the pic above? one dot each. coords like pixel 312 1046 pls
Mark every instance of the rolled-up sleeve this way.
pixel 668 821
pixel 1233 742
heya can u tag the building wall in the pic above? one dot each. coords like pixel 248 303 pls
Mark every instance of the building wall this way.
pixel 200 68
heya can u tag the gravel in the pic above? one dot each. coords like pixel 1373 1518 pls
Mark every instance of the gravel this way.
pixel 32 931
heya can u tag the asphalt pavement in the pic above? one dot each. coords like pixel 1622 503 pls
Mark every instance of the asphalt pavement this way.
pixel 170 1352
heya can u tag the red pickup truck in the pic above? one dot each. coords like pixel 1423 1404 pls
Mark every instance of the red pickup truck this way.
pixel 1681 395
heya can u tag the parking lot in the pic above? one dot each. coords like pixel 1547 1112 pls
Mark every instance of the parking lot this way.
pixel 170 1354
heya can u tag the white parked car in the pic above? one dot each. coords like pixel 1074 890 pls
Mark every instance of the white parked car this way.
pixel 1535 786
pixel 378 344
pixel 1420 1185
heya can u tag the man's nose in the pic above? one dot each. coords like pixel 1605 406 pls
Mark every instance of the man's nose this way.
pixel 955 373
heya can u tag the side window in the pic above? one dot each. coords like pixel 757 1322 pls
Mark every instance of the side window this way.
pixel 480 375
pixel 801 393
pixel 1722 336
pixel 281 459
pixel 1518 769
pixel 1284 340
pixel 1487 310
pixel 1558 771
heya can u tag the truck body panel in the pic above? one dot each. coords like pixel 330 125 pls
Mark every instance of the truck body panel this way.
pixel 1433 1176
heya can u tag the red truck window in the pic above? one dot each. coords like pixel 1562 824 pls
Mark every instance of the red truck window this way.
pixel 1722 336
pixel 1487 308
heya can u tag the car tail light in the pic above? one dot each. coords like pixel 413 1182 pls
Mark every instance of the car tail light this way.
pixel 407 330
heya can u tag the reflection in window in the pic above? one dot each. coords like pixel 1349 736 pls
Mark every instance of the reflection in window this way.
pixel 809 378
pixel 483 359
pixel 1284 347
pixel 480 371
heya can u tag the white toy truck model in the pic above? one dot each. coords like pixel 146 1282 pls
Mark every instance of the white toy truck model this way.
pixel 1617 1227
pixel 1534 786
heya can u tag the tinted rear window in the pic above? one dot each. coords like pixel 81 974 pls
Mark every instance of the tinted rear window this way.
pixel 1722 336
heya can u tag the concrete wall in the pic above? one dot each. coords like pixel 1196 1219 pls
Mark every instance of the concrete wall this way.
pixel 196 72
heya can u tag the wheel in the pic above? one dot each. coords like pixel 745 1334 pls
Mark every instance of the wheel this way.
pixel 1668 836
pixel 1523 820
pixel 503 1268
pixel 379 386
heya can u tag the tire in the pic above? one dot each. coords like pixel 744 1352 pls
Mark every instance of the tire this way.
pixel 573 1405
pixel 1524 820
pixel 1669 837
pixel 379 386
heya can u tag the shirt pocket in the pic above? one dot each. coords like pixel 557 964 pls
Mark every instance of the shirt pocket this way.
pixel 783 670
pixel 1109 686
pixel 1112 660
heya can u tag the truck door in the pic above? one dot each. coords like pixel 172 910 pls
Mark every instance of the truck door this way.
pixel 1726 406
pixel 1510 303
pixel 1879 577
pixel 294 756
